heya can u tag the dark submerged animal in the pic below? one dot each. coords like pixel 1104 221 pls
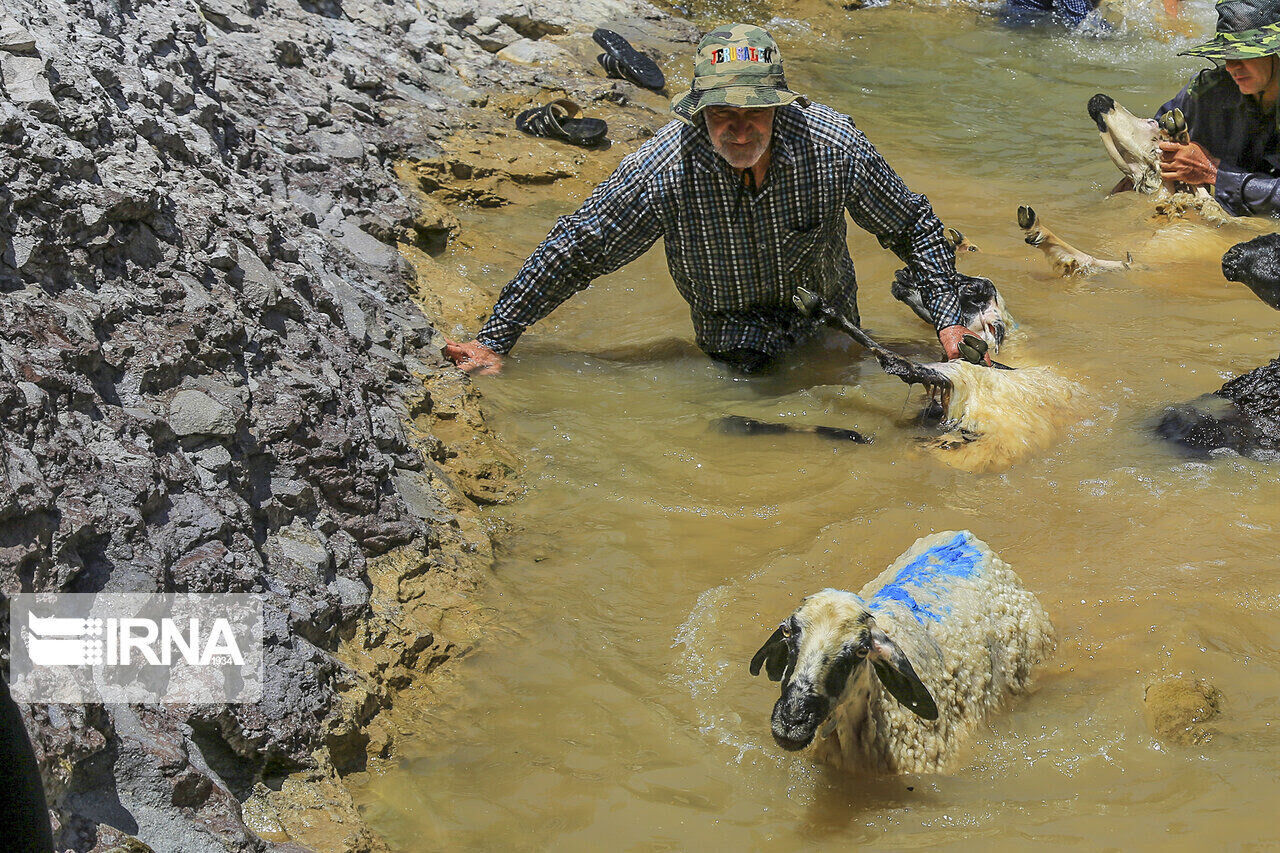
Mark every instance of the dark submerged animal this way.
pixel 739 425
pixel 1256 265
pixel 1244 414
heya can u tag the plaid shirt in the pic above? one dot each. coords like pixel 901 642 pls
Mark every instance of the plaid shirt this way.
pixel 737 255
pixel 1029 12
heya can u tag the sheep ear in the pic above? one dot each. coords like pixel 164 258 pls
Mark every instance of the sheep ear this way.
pixel 773 654
pixel 899 677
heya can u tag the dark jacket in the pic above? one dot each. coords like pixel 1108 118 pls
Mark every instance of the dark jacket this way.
pixel 1232 127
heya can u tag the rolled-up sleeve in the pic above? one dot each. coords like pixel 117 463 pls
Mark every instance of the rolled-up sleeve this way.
pixel 904 223
pixel 614 226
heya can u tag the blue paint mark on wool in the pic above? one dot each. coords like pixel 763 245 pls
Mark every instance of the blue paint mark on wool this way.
pixel 927 576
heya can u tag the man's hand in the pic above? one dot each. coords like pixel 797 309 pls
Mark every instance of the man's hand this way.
pixel 1191 164
pixel 951 337
pixel 473 357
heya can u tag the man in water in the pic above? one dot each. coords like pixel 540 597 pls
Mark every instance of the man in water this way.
pixel 1070 13
pixel 748 189
pixel 1031 13
pixel 1231 112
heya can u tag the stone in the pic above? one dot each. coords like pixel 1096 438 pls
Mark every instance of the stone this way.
pixel 260 285
pixel 352 594
pixel 14 37
pixel 419 496
pixel 1177 708
pixel 426 36
pixel 339 145
pixel 557 17
pixel 491 34
pixel 434 226
pixel 224 256
pixel 214 459
pixel 34 394
pixel 208 341
pixel 27 83
pixel 225 16
pixel 530 52
pixel 303 547
pixel 366 247
pixel 193 412
pixel 288 53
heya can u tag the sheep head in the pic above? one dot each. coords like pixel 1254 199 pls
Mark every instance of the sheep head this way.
pixel 816 654
pixel 1256 264
pixel 1132 143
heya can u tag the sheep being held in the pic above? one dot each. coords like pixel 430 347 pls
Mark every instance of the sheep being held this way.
pixel 949 631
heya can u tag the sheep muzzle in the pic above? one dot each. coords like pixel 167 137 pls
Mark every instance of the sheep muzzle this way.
pixel 797 715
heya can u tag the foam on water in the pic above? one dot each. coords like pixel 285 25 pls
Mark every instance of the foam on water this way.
pixel 707 669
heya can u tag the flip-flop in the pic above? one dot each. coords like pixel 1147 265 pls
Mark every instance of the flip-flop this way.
pixel 620 59
pixel 560 120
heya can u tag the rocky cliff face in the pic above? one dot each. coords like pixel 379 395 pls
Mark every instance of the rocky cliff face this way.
pixel 212 375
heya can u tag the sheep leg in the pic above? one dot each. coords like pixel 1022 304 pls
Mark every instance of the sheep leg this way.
pixel 810 304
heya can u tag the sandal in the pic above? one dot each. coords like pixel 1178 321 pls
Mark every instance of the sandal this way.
pixel 620 59
pixel 560 120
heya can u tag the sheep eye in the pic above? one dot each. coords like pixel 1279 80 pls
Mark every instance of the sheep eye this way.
pixel 786 630
pixel 861 651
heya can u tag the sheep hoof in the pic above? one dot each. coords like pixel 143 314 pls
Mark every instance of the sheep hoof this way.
pixel 972 349
pixel 1026 217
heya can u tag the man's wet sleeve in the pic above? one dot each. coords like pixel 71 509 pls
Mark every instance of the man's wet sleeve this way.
pixel 904 223
pixel 1248 193
pixel 614 226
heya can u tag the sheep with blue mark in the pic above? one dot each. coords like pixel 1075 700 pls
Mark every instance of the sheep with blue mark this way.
pixel 950 634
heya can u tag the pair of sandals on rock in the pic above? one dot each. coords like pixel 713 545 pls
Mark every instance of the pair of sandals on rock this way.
pixel 562 118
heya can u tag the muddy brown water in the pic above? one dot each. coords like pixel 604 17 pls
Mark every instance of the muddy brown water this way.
pixel 651 555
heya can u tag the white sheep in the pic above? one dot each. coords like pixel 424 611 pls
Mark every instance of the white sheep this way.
pixel 949 630
pixel 996 417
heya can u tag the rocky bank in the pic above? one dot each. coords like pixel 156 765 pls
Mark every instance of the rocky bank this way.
pixel 218 220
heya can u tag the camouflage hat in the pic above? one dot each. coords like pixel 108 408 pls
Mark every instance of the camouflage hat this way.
pixel 1247 29
pixel 737 65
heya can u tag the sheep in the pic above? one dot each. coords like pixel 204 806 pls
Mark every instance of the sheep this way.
pixel 993 418
pixel 950 633
pixel 1244 414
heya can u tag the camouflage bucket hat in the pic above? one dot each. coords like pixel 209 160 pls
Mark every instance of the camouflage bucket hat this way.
pixel 1247 29
pixel 737 65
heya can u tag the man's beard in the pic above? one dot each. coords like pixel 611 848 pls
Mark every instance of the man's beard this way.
pixel 741 157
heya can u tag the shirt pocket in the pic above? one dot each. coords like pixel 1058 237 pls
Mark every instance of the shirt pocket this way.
pixel 798 247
